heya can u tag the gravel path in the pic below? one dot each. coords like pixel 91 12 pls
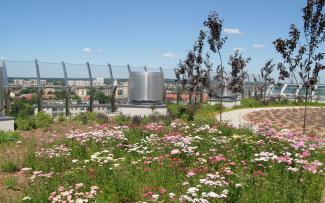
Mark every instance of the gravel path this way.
pixel 235 117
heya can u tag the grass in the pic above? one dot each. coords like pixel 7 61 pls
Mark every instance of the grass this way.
pixel 9 167
pixel 8 136
pixel 10 182
pixel 253 103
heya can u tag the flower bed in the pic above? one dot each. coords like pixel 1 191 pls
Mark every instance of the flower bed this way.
pixel 180 162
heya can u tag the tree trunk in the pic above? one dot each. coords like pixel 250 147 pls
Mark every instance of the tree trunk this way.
pixel 190 97
pixel 305 113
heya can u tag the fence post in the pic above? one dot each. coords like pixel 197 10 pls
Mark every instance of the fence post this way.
pixel 2 89
pixel 39 88
pixel 145 68
pixel 6 89
pixel 91 100
pixel 67 89
pixel 113 90
pixel 178 96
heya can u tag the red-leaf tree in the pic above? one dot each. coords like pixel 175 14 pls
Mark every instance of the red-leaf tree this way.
pixel 238 73
pixel 301 51
pixel 216 40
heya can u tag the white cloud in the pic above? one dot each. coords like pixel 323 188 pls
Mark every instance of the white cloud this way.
pixel 258 45
pixel 233 31
pixel 170 55
pixel 239 49
pixel 87 50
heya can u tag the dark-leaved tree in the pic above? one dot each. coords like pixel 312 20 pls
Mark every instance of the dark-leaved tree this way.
pixel 301 55
pixel 238 73
pixel 190 73
pixel 216 40
pixel 266 76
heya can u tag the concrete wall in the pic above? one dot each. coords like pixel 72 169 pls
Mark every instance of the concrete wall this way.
pixel 7 124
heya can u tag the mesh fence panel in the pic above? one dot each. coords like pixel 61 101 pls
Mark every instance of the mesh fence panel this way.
pixel 77 71
pixel 169 74
pixel 137 68
pixel 120 72
pixel 21 69
pixel 50 70
pixel 153 69
pixel 100 74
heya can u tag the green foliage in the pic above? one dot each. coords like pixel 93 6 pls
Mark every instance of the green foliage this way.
pixel 41 120
pixel 60 94
pixel 275 102
pixel 8 136
pixel 62 117
pixel 99 95
pixel 85 118
pixel 178 111
pixel 24 123
pixel 21 108
pixel 250 102
pixel 9 167
pixel 10 182
pixel 199 113
pixel 28 90
pixel 122 119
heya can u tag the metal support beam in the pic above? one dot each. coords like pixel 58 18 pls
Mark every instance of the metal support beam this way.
pixel 113 98
pixel 161 70
pixel 145 68
pixel 129 68
pixel 67 90
pixel 91 100
pixel 2 89
pixel 6 88
pixel 39 87
pixel 110 72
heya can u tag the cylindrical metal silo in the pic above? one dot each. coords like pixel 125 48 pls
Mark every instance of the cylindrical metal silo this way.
pixel 146 87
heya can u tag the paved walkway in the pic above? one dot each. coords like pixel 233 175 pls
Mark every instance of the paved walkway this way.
pixel 235 117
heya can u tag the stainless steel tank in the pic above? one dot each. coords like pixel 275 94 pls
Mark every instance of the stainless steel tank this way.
pixel 146 87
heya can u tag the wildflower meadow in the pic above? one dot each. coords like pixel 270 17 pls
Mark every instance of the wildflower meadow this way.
pixel 173 161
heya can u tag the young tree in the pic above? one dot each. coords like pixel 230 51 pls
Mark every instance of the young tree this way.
pixel 216 40
pixel 266 76
pixel 238 73
pixel 301 55
pixel 190 72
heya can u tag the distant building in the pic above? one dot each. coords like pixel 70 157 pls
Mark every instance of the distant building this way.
pixel 31 82
pixel 57 107
pixel 86 83
pixel 80 92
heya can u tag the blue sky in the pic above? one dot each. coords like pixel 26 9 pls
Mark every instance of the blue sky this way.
pixel 139 32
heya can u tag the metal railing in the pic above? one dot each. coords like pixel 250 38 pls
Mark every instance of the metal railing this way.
pixel 67 77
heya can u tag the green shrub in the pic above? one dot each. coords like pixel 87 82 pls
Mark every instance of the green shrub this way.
pixel 85 118
pixel 8 136
pixel 122 119
pixel 250 102
pixel 62 117
pixel 23 124
pixel 42 120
